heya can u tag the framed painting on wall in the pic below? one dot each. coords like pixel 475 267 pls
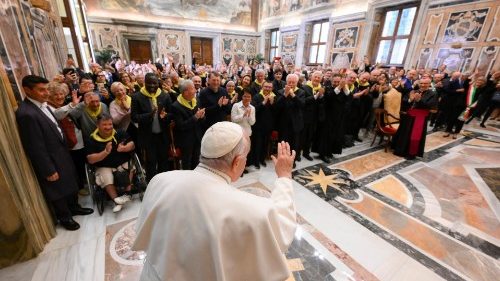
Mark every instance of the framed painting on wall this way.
pixel 465 26
pixel 346 37
pixel 342 60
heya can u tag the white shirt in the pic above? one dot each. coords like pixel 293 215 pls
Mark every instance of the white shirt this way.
pixel 238 117
pixel 194 226
pixel 45 109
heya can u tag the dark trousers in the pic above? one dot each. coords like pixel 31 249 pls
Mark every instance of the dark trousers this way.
pixel 79 158
pixel 156 156
pixel 453 121
pixel 490 110
pixel 306 138
pixel 190 156
pixel 293 138
pixel 63 206
pixel 260 141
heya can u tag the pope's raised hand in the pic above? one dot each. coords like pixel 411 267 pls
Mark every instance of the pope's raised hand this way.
pixel 283 161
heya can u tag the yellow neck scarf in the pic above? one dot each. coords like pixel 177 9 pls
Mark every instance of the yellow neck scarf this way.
pixel 231 94
pixel 351 88
pixel 151 96
pixel 315 89
pixel 128 101
pixel 94 114
pixel 184 102
pixel 271 94
pixel 257 82
pixel 95 135
pixel 366 84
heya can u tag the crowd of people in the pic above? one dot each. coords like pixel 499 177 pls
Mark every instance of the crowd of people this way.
pixel 161 111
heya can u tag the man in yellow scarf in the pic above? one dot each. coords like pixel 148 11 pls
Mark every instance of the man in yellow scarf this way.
pixel 256 85
pixel 289 115
pixel 109 150
pixel 313 97
pixel 188 130
pixel 151 110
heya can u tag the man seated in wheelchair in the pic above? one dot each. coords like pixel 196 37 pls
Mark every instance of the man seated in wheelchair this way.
pixel 110 152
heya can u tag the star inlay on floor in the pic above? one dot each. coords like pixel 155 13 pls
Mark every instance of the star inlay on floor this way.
pixel 319 178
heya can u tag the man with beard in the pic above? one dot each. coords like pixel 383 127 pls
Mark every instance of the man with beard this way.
pixel 409 140
pixel 313 95
pixel 289 106
pixel 197 86
pixel 215 100
pixel 151 110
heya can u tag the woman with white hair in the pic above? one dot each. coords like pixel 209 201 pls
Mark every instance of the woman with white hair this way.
pixel 120 107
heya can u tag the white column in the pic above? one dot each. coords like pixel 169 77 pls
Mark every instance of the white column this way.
pixel 299 53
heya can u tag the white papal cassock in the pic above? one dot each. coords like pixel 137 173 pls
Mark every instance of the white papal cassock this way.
pixel 194 226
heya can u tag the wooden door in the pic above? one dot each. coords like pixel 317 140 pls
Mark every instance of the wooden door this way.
pixel 201 49
pixel 140 51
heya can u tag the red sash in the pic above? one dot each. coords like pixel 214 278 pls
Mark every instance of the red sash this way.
pixel 417 130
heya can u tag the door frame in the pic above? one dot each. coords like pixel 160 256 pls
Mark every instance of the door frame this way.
pixel 216 45
pixel 147 37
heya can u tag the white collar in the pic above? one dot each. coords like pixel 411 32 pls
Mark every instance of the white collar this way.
pixel 37 103
pixel 202 167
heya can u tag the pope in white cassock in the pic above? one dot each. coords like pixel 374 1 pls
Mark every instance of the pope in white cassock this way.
pixel 194 225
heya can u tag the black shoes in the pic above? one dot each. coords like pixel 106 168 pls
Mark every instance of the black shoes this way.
pixel 297 158
pixel 325 159
pixel 81 211
pixel 308 157
pixel 263 163
pixel 482 125
pixel 70 225
pixel 358 140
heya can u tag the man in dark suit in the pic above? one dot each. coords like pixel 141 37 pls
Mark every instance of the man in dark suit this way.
pixel 151 110
pixel 188 130
pixel 45 146
pixel 289 118
pixel 215 100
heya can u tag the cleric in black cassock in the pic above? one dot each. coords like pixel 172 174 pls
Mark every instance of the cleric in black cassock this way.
pixel 330 134
pixel 409 140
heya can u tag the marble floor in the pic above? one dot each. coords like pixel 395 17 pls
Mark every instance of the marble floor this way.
pixel 369 215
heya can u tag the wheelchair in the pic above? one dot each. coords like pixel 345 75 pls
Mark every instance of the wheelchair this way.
pixel 99 195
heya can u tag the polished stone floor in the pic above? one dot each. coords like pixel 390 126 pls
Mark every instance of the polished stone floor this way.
pixel 367 216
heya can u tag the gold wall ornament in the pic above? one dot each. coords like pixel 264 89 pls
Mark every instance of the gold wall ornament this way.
pixel 41 4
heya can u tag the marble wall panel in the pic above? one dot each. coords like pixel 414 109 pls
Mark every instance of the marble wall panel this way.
pixel 172 43
pixel 433 28
pixel 238 48
pixel 494 33
pixel 463 34
pixel 288 47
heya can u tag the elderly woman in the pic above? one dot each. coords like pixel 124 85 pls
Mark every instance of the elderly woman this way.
pixel 120 107
pixel 230 87
pixel 73 135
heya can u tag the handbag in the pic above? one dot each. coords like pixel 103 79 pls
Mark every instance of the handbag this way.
pixel 121 178
pixel 496 97
pixel 68 129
